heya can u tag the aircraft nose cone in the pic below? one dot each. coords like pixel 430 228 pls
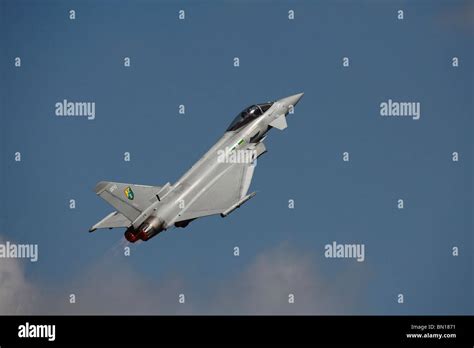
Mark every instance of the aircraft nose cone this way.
pixel 292 99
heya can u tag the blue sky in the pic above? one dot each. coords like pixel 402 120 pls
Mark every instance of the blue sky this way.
pixel 190 62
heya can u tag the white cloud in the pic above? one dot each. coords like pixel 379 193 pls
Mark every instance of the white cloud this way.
pixel 113 286
pixel 264 286
pixel 17 295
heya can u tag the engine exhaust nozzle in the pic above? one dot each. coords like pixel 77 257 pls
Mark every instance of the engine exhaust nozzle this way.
pixel 147 230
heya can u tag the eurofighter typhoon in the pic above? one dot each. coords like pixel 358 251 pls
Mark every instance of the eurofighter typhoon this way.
pixel 216 184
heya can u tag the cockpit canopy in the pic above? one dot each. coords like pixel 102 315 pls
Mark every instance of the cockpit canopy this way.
pixel 248 115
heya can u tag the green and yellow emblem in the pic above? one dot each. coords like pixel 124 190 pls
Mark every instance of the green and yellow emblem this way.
pixel 129 193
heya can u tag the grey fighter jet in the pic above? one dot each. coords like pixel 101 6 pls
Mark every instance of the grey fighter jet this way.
pixel 216 184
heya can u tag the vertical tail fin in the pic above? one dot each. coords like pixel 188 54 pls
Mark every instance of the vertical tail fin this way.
pixel 129 199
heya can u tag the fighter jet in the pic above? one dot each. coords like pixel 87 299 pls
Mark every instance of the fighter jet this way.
pixel 218 183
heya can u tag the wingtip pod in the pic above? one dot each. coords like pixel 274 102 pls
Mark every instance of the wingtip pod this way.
pixel 113 220
pixel 238 204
